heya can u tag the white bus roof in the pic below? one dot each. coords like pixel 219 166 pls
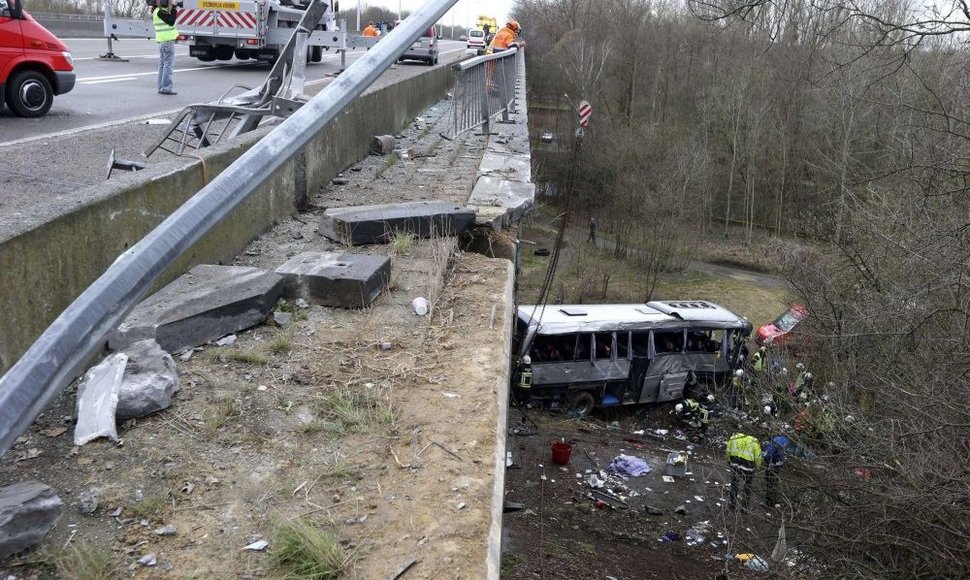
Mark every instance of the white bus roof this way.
pixel 568 318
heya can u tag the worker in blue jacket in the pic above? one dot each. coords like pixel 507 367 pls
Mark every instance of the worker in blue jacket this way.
pixel 774 459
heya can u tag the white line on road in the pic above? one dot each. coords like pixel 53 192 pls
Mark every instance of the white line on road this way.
pixel 129 56
pixel 109 81
pixel 153 73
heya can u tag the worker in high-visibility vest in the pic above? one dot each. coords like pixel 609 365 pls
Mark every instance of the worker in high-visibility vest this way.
pixel 163 18
pixel 505 38
pixel 371 31
pixel 759 360
pixel 744 458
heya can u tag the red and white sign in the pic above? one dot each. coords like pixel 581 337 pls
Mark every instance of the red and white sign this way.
pixel 585 112
pixel 223 19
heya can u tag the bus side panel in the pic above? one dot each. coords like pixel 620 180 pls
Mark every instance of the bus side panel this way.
pixel 665 378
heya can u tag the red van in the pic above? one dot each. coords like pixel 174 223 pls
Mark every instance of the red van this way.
pixel 34 64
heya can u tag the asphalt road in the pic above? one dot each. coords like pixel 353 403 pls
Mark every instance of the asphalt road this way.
pixel 112 92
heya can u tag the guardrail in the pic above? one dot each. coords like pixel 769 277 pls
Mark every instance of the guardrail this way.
pixel 485 89
pixel 58 355
pixel 58 16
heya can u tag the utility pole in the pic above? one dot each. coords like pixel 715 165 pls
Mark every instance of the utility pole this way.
pixel 358 15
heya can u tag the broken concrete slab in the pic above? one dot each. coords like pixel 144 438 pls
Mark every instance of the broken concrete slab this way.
pixel 28 511
pixel 372 224
pixel 499 202
pixel 344 280
pixel 514 167
pixel 149 382
pixel 206 303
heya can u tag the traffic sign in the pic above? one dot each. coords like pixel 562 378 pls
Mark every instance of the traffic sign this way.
pixel 585 112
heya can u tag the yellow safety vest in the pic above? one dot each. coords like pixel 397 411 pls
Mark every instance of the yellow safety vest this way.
pixel 744 447
pixel 163 32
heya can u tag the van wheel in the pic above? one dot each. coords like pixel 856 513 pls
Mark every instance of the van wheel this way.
pixel 29 94
pixel 581 403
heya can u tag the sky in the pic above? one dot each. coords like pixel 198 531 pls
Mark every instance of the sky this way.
pixel 465 11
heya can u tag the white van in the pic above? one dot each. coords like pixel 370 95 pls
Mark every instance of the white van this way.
pixel 586 355
pixel 476 41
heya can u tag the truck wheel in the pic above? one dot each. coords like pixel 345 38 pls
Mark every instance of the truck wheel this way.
pixel 223 52
pixel 242 53
pixel 29 94
pixel 581 403
pixel 206 58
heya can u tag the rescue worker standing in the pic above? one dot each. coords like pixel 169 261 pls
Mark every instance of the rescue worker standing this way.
pixel 370 31
pixel 744 458
pixel 693 414
pixel 163 18
pixel 759 360
pixel 774 456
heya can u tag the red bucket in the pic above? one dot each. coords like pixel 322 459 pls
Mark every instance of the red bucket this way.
pixel 561 452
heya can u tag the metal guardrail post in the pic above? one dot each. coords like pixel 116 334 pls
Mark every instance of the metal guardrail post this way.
pixel 484 87
pixel 58 354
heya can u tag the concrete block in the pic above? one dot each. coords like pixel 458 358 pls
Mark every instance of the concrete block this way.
pixel 344 280
pixel 202 305
pixel 28 511
pixel 500 202
pixel 371 224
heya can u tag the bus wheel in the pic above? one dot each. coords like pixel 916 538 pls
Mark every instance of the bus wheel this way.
pixel 581 403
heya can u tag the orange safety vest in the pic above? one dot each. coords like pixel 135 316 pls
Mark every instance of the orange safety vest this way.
pixel 371 32
pixel 503 39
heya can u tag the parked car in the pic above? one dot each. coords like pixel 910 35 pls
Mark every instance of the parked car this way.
pixel 476 40
pixel 425 48
pixel 779 332
pixel 34 64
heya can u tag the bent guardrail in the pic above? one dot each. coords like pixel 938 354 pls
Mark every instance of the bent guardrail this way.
pixel 57 356
pixel 485 89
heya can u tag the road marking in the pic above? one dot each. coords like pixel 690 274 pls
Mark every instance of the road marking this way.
pixel 186 53
pixel 109 81
pixel 95 127
pixel 153 73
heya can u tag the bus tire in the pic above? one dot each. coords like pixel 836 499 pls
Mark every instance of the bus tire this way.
pixel 581 403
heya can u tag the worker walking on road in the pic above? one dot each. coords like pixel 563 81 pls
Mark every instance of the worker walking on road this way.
pixel 592 230
pixel 744 458
pixel 163 18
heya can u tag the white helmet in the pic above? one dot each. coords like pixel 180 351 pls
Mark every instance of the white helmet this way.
pixel 784 370
pixel 803 395
pixel 679 407
pixel 710 398
pixel 739 373
pixel 767 409
pixel 808 375
pixel 799 366
pixel 527 360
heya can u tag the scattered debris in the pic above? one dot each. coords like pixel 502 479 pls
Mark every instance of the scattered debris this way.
pixel 670 537
pixel 54 431
pixel 148 560
pixel 630 465
pixel 149 381
pixel 257 546
pixel 282 319
pixel 97 400
pixel 28 511
pixel 166 530
pixel 87 502
pixel 420 305
pixel 681 509
pixel 228 340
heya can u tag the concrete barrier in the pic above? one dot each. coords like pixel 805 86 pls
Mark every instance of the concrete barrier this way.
pixel 72 25
pixel 45 268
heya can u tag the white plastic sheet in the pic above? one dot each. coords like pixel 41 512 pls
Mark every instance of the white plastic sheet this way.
pixel 97 400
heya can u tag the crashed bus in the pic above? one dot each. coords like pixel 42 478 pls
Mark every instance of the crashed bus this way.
pixel 586 355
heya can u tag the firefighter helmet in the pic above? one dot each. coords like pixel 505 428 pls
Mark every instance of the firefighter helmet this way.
pixel 514 25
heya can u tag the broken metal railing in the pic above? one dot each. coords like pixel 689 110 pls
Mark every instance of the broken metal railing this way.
pixel 484 89
pixel 58 355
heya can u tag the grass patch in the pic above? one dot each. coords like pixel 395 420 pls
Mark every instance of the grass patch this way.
pixel 402 242
pixel 509 563
pixel 388 163
pixel 147 508
pixel 303 551
pixel 336 471
pixel 226 411
pixel 84 561
pixel 281 345
pixel 347 410
pixel 315 427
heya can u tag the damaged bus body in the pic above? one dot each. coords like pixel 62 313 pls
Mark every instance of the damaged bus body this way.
pixel 581 356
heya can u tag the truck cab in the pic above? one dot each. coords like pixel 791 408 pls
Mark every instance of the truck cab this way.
pixel 34 64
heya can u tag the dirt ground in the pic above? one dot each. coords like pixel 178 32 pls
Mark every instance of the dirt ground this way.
pixel 375 426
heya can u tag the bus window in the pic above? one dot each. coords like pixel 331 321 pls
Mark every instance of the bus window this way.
pixel 546 349
pixel 669 341
pixel 704 340
pixel 622 345
pixel 641 344
pixel 604 345
pixel 582 346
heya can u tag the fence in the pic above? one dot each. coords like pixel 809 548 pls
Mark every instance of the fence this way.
pixel 485 89
pixel 57 356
